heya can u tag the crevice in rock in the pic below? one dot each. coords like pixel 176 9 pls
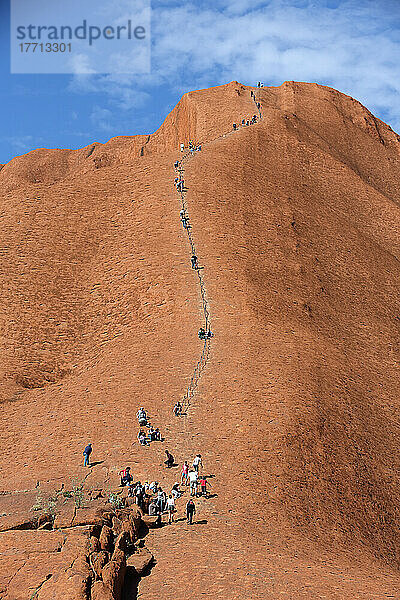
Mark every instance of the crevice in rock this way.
pixel 36 591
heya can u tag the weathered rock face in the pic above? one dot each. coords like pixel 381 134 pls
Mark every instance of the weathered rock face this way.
pixel 61 564
pixel 106 539
pixel 296 221
pixel 140 561
pixel 94 544
pixel 114 572
pixel 100 591
pixel 98 560
pixel 46 562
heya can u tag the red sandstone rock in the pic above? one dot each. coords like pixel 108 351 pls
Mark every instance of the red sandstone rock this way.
pixel 122 541
pixel 101 592
pixel 116 525
pixel 98 560
pixel 106 539
pixel 296 220
pixel 106 514
pixel 150 521
pixel 114 572
pixel 94 544
pixel 140 561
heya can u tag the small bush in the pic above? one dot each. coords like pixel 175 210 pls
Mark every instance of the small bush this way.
pixel 38 501
pixel 115 500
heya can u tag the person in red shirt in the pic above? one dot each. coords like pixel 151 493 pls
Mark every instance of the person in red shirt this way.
pixel 203 485
pixel 185 473
pixel 125 475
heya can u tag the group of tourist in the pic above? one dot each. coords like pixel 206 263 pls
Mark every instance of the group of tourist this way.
pixel 246 122
pixel 154 501
pixel 193 147
pixel 153 435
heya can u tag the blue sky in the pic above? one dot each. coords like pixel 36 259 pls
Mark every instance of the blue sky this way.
pixel 353 46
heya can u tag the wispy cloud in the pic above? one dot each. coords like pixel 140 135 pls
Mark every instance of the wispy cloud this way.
pixel 121 90
pixel 100 119
pixel 350 45
pixel 22 143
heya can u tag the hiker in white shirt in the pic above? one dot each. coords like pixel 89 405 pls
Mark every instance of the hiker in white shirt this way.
pixel 193 482
pixel 197 462
pixel 170 509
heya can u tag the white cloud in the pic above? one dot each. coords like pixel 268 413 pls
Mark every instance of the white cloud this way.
pixel 350 45
pixel 22 142
pixel 119 89
pixel 80 63
pixel 101 118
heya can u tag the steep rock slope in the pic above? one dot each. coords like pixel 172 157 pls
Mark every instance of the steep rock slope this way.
pixel 296 220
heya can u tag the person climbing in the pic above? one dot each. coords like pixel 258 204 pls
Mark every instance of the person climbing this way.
pixel 202 333
pixel 153 508
pixel 142 416
pixel 86 453
pixel 258 105
pixel 142 438
pixel 193 483
pixel 176 164
pixel 139 495
pixel 197 463
pixel 190 511
pixel 153 487
pixel 185 221
pixel 161 500
pixel 194 260
pixel 126 477
pixel 178 409
pixel 143 420
pixel 175 491
pixel 151 433
pixel 185 473
pixel 170 459
pixel 170 509
pixel 203 486
pixel 180 186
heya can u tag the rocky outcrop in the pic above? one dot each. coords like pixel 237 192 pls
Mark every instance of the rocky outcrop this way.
pixel 115 542
pixel 106 539
pixel 80 562
pixel 113 573
pixel 98 560
pixel 140 561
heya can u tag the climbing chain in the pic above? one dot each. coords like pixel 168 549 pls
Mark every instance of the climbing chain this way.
pixel 202 362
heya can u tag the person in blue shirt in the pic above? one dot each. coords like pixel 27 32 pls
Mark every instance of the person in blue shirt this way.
pixel 86 453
